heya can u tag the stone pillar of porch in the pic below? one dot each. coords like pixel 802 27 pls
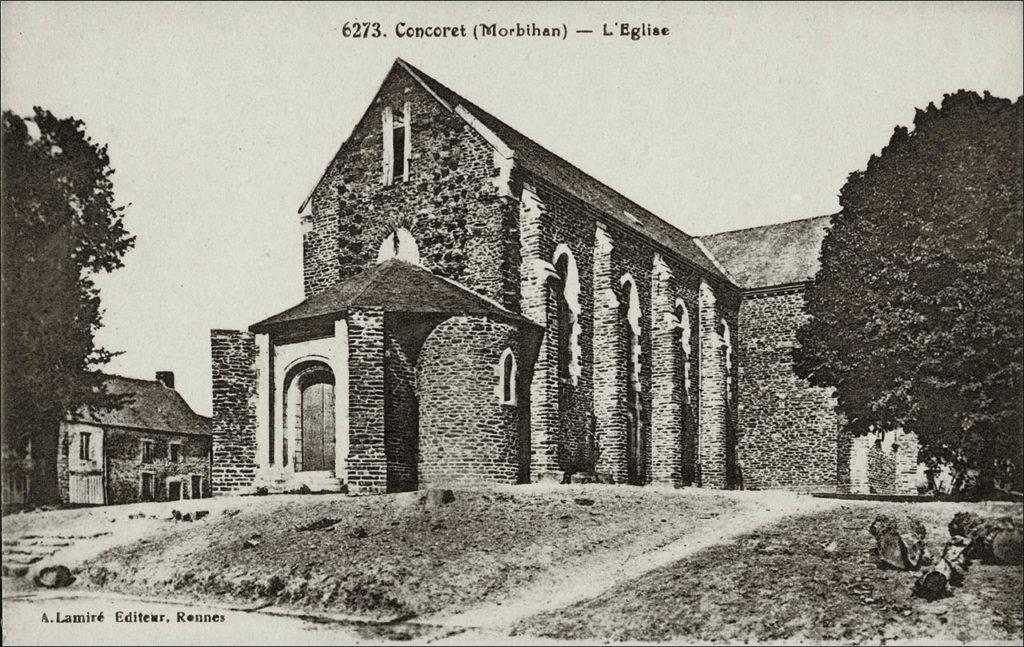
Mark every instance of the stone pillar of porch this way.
pixel 367 464
pixel 341 399
pixel 264 376
pixel 233 362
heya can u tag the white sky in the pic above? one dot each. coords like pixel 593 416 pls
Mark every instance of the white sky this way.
pixel 221 117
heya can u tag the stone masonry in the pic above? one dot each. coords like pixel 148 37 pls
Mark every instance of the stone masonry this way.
pixel 668 425
pixel 125 465
pixel 233 355
pixel 778 409
pixel 649 363
pixel 465 229
pixel 367 462
pixel 714 414
pixel 466 434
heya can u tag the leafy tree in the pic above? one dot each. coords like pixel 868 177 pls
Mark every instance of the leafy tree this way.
pixel 916 313
pixel 60 227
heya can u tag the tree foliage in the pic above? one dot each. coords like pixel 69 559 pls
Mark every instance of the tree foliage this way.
pixel 60 228
pixel 916 314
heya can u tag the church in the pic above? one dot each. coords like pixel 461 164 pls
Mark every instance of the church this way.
pixel 479 310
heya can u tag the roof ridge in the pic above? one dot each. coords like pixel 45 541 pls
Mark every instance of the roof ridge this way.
pixel 771 224
pixel 714 259
pixel 476 294
pixel 470 105
pixel 382 267
pixel 125 377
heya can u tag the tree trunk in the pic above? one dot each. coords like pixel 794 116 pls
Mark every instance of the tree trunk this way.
pixel 986 485
pixel 899 542
pixel 949 571
pixel 994 541
pixel 45 452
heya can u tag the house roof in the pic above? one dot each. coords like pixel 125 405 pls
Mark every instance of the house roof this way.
pixel 546 165
pixel 152 406
pixel 771 255
pixel 392 286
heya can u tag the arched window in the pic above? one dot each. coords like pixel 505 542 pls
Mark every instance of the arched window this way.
pixel 399 245
pixel 727 344
pixel 506 390
pixel 568 292
pixel 682 315
pixel 630 312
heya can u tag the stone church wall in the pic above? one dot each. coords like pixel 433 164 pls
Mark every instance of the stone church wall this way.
pixel 465 230
pixel 562 412
pixel 467 435
pixel 583 427
pixel 404 335
pixel 788 429
pixel 676 375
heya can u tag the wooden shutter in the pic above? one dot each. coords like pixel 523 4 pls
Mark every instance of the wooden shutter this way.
pixel 387 130
pixel 406 123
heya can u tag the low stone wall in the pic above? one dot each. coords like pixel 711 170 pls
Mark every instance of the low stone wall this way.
pixel 881 468
pixel 892 464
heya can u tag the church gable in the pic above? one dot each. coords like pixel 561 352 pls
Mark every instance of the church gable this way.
pixel 412 162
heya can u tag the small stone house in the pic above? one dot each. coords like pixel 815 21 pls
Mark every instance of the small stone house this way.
pixel 155 448
pixel 479 310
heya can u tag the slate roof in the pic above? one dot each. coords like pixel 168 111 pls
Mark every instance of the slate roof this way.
pixel 541 162
pixel 771 255
pixel 393 286
pixel 153 406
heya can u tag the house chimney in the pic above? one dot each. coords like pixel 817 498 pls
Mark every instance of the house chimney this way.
pixel 166 378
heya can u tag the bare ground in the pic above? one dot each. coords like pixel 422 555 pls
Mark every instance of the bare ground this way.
pixel 543 562
pixel 790 582
pixel 388 557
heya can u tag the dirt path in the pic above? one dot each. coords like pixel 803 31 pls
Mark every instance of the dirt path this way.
pixel 73 537
pixel 563 587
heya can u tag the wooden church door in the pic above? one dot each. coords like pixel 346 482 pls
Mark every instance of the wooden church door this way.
pixel 318 426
